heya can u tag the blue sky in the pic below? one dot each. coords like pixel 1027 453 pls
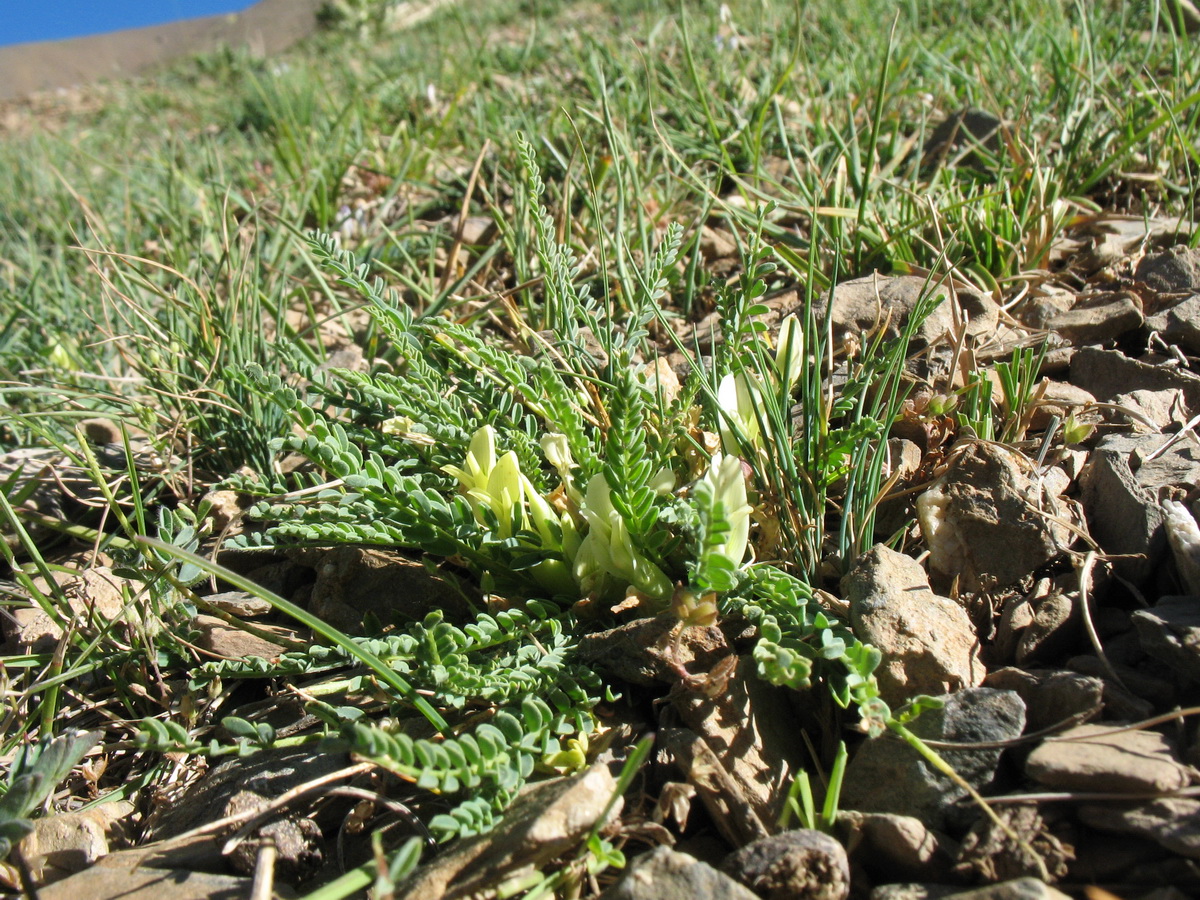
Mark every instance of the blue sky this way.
pixel 51 20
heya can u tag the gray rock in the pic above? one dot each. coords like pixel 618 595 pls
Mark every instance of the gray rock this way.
pixel 1043 303
pixel 987 520
pixel 888 776
pixel 1172 823
pixel 299 846
pixel 1050 697
pixel 1054 629
pixel 1058 398
pixel 267 774
pixel 1107 373
pixel 663 874
pixel 1120 489
pixel 1110 238
pixel 1141 675
pixel 1120 701
pixel 792 865
pixel 645 652
pixel 1097 318
pixel 1172 271
pixel 1042 625
pixel 1153 411
pixel 989 855
pixel 1180 324
pixel 1098 758
pixel 928 643
pixel 65 843
pixel 889 846
pixel 862 307
pixel 1170 631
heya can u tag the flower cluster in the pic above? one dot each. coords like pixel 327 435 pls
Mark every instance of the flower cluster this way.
pixel 584 542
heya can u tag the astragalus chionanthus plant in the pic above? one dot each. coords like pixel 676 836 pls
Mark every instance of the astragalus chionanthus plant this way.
pixel 576 476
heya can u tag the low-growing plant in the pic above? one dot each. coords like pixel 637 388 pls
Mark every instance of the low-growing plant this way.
pixel 574 482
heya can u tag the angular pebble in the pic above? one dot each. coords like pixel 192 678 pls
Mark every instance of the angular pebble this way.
pixel 989 521
pixel 793 865
pixel 928 643
pixel 889 846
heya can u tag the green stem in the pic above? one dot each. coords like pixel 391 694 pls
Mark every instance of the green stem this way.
pixel 932 757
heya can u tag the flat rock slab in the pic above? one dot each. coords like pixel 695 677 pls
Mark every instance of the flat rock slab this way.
pixel 928 643
pixel 1170 632
pixel 111 883
pixel 1098 318
pixel 1173 824
pixel 1107 373
pixel 1098 758
pixel 225 640
pixel 664 874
